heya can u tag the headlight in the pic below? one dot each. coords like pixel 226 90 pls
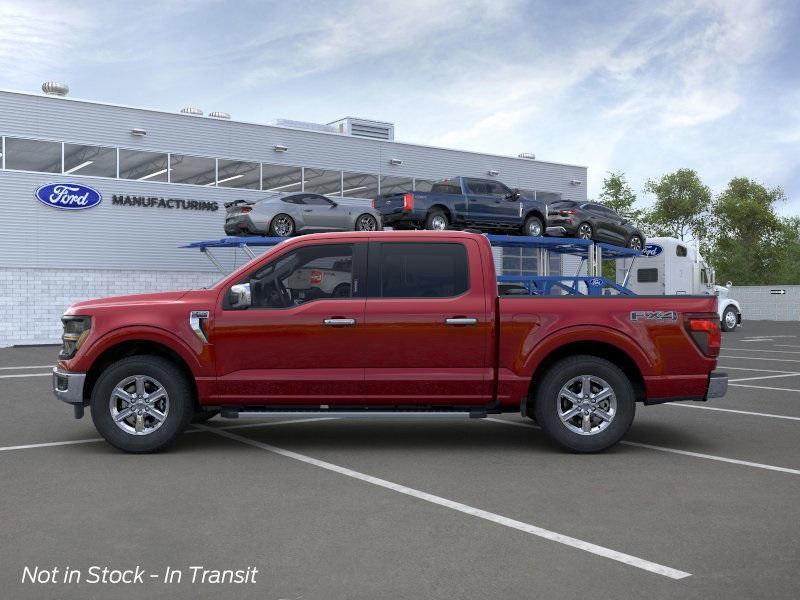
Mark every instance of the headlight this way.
pixel 76 330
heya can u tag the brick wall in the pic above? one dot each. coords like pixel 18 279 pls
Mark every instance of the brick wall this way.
pixel 33 300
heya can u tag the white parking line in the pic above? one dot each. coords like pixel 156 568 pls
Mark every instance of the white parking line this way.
pixel 26 375
pixel 763 387
pixel 762 350
pixel 791 360
pixel 731 410
pixel 93 440
pixel 27 367
pixel 673 450
pixel 764 377
pixel 751 369
pixel 464 508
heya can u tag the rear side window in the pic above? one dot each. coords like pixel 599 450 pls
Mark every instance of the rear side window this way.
pixel 680 250
pixel 446 187
pixel 647 275
pixel 411 270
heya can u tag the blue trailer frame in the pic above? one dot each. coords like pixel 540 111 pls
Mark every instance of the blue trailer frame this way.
pixel 544 284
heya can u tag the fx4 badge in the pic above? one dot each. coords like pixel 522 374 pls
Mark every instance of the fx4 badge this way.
pixel 654 315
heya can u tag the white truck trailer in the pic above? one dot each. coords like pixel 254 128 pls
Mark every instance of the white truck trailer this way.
pixel 671 266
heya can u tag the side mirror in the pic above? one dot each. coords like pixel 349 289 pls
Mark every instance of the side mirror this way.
pixel 334 204
pixel 513 196
pixel 729 284
pixel 239 296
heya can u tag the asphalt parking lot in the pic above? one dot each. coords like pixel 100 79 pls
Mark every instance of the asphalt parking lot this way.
pixel 700 500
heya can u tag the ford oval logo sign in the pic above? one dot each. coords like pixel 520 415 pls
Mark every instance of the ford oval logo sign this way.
pixel 68 196
pixel 652 250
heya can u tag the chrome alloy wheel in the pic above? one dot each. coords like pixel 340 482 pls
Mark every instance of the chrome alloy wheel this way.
pixel 534 228
pixel 282 226
pixel 586 405
pixel 366 223
pixel 730 319
pixel 139 405
pixel 438 223
pixel 585 231
pixel 635 243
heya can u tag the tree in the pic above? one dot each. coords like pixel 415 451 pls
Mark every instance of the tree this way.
pixel 752 245
pixel 681 206
pixel 618 196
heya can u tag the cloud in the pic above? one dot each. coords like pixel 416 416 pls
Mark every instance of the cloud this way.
pixel 35 37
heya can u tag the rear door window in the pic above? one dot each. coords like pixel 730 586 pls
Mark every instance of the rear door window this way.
pixel 413 270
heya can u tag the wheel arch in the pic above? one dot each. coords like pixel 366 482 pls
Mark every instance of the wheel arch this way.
pixel 137 347
pixel 445 209
pixel 600 349
pixel 535 212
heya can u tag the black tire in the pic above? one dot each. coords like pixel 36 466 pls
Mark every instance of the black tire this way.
pixel 585 231
pixel 277 221
pixel 361 223
pixel 549 403
pixel 731 315
pixel 174 382
pixel 203 415
pixel 635 242
pixel 533 227
pixel 434 218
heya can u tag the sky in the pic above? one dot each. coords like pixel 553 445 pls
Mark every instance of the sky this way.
pixel 639 87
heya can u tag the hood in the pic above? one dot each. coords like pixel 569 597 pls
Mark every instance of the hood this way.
pixel 721 291
pixel 128 300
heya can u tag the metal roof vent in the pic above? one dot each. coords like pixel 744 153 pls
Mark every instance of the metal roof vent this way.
pixel 527 155
pixel 191 110
pixel 53 88
pixel 219 115
pixel 375 130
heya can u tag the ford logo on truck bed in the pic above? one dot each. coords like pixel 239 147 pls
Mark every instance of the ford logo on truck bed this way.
pixel 68 196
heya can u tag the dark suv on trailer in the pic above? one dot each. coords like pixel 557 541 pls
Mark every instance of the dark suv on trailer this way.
pixel 593 221
pixel 483 204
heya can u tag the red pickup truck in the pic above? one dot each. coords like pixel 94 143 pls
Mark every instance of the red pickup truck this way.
pixel 419 329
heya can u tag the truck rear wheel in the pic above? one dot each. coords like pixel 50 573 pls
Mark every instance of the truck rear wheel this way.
pixel 437 220
pixel 585 403
pixel 142 404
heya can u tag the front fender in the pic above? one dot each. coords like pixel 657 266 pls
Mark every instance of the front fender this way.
pixel 196 356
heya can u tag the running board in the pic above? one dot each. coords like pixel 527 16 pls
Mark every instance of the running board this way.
pixel 352 414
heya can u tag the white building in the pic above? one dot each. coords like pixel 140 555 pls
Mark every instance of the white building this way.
pixel 178 169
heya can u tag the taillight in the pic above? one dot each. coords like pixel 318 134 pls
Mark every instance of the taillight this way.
pixel 246 209
pixel 568 212
pixel 706 334
pixel 374 203
pixel 408 201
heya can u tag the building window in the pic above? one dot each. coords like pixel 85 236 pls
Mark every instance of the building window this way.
pixel 423 185
pixel 238 174
pixel 33 155
pixel 279 178
pixel 143 166
pixel 396 185
pixel 320 181
pixel 196 170
pixel 359 185
pixel 98 161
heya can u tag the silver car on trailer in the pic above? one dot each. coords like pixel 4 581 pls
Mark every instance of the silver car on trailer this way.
pixel 284 215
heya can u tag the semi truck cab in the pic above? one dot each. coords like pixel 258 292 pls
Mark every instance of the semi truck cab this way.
pixel 669 266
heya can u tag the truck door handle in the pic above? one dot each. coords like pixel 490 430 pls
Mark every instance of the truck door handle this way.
pixel 338 322
pixel 308 210
pixel 461 321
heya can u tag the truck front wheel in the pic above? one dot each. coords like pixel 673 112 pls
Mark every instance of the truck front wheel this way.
pixel 730 319
pixel 585 403
pixel 141 404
